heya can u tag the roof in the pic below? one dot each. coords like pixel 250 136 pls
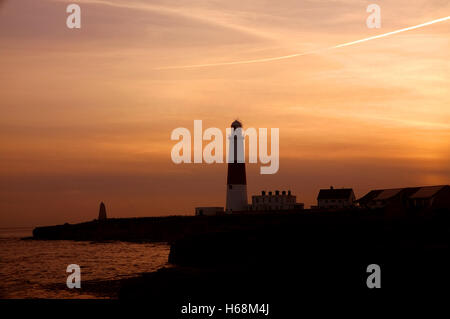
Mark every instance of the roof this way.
pixel 388 193
pixel 427 191
pixel 369 196
pixel 332 193
pixel 407 192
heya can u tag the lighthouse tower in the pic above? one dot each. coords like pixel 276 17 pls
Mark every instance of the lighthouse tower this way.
pixel 236 179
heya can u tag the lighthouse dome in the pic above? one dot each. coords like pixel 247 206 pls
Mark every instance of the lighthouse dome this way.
pixel 236 124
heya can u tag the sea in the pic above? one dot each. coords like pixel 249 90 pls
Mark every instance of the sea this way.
pixel 38 268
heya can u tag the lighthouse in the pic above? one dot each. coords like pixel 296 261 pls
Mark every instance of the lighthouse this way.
pixel 236 179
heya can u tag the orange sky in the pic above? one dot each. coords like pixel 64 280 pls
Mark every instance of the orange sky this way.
pixel 86 115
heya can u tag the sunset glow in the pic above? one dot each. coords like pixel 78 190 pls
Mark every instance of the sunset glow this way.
pixel 86 115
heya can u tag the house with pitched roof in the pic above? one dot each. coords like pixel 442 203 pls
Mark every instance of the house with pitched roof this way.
pixel 381 198
pixel 335 198
pixel 430 197
pixel 400 200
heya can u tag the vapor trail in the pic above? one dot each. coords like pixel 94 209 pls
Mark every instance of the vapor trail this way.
pixel 284 57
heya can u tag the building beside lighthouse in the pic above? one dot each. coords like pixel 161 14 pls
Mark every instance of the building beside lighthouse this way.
pixel 278 202
pixel 236 178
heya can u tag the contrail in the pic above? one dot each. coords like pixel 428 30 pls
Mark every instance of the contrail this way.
pixel 284 57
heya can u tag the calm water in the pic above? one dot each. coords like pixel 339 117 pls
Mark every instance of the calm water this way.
pixel 37 269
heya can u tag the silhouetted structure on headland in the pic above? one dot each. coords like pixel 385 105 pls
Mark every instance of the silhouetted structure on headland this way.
pixel 336 198
pixel 236 178
pixel 401 201
pixel 283 201
pixel 102 212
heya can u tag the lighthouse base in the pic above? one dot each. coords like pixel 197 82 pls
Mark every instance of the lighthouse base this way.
pixel 236 198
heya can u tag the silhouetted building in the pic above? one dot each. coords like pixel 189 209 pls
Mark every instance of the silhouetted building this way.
pixel 236 179
pixel 275 202
pixel 102 212
pixel 208 211
pixel 367 201
pixel 397 201
pixel 336 198
pixel 394 200
pixel 431 197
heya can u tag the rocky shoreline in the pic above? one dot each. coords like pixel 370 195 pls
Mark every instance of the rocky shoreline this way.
pixel 264 258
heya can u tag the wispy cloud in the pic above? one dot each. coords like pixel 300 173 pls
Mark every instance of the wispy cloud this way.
pixel 211 17
pixel 295 55
pixel 372 117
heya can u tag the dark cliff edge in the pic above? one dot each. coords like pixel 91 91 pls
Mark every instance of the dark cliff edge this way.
pixel 293 259
pixel 164 229
pixel 281 259
pixel 157 229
